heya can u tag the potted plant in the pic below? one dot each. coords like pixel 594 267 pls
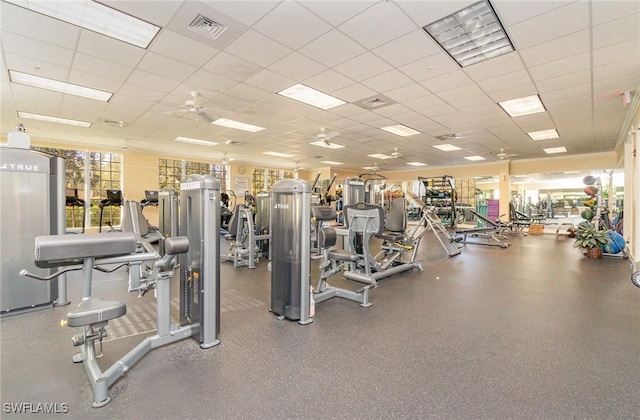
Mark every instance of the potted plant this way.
pixel 591 239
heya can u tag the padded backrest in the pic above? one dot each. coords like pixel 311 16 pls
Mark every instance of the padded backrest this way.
pixel 323 212
pixel 63 248
pixel 327 237
pixel 133 209
pixel 364 218
pixel 235 219
pixel 397 217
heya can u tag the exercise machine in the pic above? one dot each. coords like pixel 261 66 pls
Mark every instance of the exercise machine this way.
pixel 33 188
pixel 73 201
pixel 334 261
pixel 290 254
pixel 432 221
pixel 114 199
pixel 491 231
pixel 199 283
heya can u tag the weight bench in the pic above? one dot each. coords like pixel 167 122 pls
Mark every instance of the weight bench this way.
pixel 493 231
pixel 92 314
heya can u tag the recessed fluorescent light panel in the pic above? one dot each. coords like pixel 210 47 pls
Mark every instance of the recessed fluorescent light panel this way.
pixel 522 106
pixel 330 162
pixel 552 150
pixel 278 154
pixel 474 158
pixel 237 125
pixel 195 141
pixel 447 147
pixel 47 118
pixel 327 144
pixel 400 130
pixel 544 134
pixel 57 86
pixel 379 156
pixel 310 96
pixel 96 17
pixel 472 35
pixel 416 164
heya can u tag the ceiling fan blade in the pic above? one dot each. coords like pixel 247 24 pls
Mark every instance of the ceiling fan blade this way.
pixel 332 135
pixel 205 117
pixel 216 111
pixel 177 112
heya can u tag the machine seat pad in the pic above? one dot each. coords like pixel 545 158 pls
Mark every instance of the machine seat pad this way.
pixel 94 310
pixel 342 255
pixel 63 248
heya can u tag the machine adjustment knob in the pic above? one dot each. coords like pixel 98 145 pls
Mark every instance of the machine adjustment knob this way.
pixel 63 322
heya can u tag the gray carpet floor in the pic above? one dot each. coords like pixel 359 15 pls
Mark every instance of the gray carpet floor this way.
pixel 535 331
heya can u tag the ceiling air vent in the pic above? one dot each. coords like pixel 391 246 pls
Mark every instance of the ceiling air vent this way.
pixel 375 102
pixel 449 137
pixel 112 123
pixel 206 27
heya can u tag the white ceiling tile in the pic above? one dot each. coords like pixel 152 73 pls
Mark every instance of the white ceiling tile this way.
pixel 353 92
pixel 534 122
pixel 152 81
pixel 100 67
pixel 171 44
pixel 611 53
pixel 257 48
pixel 426 12
pixel 34 25
pixel 617 68
pixel 363 67
pixel 567 92
pixel 292 25
pixel 430 67
pixel 511 12
pixel 556 23
pixel 94 81
pixel 81 108
pixel 36 66
pixel 387 81
pixel 408 48
pixel 232 67
pixel 323 49
pixel 336 12
pixel 514 92
pixel 110 49
pixel 270 81
pixel 560 67
pixel 503 64
pixel 606 11
pixel 49 53
pixel 556 49
pixel 391 110
pixel 572 79
pixel 365 27
pixel 446 81
pixel 505 81
pixel 328 81
pixel 166 67
pixel 461 93
pixel 346 110
pixel 144 93
pixel 617 31
pixel 297 67
pixel 424 102
pixel 408 92
pixel 618 84
pixel 210 81
pixel 246 92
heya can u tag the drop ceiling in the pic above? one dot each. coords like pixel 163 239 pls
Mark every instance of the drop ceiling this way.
pixel 578 56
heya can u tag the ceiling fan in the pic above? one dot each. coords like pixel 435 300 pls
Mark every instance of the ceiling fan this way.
pixel 226 159
pixel 325 137
pixel 375 168
pixel 502 155
pixel 194 106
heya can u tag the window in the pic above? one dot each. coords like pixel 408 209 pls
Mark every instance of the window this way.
pixel 106 174
pixel 170 173
pixel 263 179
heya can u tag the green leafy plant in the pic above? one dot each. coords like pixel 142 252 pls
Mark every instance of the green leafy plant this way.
pixel 587 236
